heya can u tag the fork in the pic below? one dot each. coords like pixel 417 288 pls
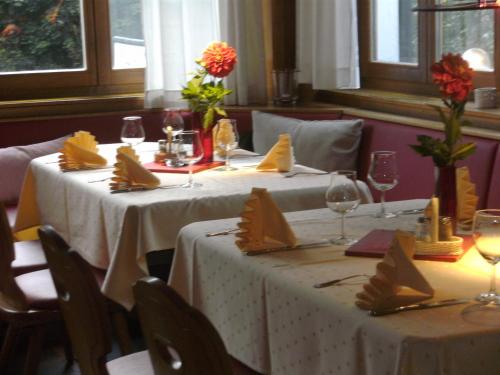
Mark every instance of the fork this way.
pixel 336 281
pixel 292 174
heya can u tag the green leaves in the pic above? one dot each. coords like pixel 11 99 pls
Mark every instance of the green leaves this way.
pixel 205 97
pixel 448 151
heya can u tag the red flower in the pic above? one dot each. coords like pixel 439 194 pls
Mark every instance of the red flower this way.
pixel 454 77
pixel 219 59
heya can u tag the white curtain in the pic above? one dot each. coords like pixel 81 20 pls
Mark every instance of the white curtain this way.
pixel 175 34
pixel 177 31
pixel 327 44
pixel 242 27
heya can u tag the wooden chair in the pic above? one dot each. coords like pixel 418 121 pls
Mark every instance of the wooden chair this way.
pixel 180 339
pixel 85 312
pixel 28 300
pixel 28 255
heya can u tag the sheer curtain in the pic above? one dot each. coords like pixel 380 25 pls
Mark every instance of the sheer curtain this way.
pixel 177 31
pixel 175 34
pixel 327 43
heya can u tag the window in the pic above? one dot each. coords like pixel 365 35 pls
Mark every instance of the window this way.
pixel 398 46
pixel 70 47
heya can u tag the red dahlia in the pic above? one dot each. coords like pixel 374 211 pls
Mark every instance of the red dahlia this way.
pixel 219 59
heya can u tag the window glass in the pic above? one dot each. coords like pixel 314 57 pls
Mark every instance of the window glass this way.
pixel 127 39
pixel 41 35
pixel 469 33
pixel 394 31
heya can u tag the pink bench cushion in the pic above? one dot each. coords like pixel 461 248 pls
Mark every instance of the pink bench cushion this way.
pixel 494 192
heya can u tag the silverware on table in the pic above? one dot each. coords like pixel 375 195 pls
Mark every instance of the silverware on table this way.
pixel 142 188
pixel 100 180
pixel 336 281
pixel 295 173
pixel 419 306
pixel 410 212
pixel 222 232
pixel 306 245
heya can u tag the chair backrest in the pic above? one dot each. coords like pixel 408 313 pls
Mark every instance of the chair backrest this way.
pixel 180 339
pixel 82 305
pixel 11 296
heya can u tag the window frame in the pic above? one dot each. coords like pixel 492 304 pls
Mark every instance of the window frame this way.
pixel 414 79
pixel 98 77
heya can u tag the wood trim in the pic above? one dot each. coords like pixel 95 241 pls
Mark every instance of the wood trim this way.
pixel 283 33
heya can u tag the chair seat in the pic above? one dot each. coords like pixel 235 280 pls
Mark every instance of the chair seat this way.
pixel 40 291
pixel 29 257
pixel 134 364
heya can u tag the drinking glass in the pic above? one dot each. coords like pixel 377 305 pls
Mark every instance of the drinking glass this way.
pixel 226 137
pixel 343 196
pixel 189 151
pixel 132 130
pixel 172 124
pixel 486 234
pixel 383 175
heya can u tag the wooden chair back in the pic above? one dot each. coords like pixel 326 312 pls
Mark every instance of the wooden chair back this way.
pixel 82 305
pixel 11 296
pixel 180 339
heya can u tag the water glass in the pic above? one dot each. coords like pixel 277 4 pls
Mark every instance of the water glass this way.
pixel 226 138
pixel 189 151
pixel 383 176
pixel 486 234
pixel 342 196
pixel 172 125
pixel 132 130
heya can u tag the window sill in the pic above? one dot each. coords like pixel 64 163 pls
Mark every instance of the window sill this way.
pixel 412 107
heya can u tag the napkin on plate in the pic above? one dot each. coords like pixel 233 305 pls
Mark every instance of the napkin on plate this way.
pixel 262 225
pixel 80 152
pixel 130 173
pixel 466 196
pixel 222 133
pixel 397 281
pixel 280 156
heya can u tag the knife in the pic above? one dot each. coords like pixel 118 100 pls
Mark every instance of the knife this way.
pixel 305 245
pixel 419 306
pixel 143 188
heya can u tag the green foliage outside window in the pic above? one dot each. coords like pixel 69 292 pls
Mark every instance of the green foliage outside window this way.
pixel 40 35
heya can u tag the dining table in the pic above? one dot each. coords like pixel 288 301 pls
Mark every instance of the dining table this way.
pixel 271 316
pixel 116 231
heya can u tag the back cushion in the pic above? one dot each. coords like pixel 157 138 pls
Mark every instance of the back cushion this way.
pixel 327 145
pixel 14 161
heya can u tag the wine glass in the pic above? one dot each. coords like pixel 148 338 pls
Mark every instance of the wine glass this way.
pixel 383 175
pixel 486 234
pixel 189 151
pixel 172 125
pixel 132 130
pixel 226 137
pixel 343 196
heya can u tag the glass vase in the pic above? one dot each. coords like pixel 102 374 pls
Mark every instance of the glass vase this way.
pixel 206 137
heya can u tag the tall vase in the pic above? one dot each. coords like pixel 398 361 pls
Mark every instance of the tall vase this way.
pixel 446 191
pixel 206 137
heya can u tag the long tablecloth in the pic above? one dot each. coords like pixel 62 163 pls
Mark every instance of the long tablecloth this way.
pixel 115 231
pixel 271 318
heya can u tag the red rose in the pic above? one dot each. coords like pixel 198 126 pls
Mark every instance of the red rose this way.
pixel 219 59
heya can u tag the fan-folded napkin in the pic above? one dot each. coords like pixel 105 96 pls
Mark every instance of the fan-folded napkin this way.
pixel 280 156
pixel 262 225
pixel 466 196
pixel 397 281
pixel 80 152
pixel 129 172
pixel 223 134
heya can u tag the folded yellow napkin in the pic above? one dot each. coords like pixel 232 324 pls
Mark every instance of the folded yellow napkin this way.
pixel 466 196
pixel 397 281
pixel 280 156
pixel 130 173
pixel 222 133
pixel 262 225
pixel 80 152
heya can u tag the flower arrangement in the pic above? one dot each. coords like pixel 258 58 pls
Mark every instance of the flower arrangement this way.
pixel 204 95
pixel 454 77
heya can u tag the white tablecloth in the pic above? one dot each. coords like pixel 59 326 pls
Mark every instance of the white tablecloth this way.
pixel 115 231
pixel 272 319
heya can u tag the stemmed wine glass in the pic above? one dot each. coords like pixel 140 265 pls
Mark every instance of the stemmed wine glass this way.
pixel 226 137
pixel 343 196
pixel 132 130
pixel 172 125
pixel 189 151
pixel 383 175
pixel 486 234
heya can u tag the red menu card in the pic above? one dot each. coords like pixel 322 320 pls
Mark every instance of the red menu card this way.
pixel 378 241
